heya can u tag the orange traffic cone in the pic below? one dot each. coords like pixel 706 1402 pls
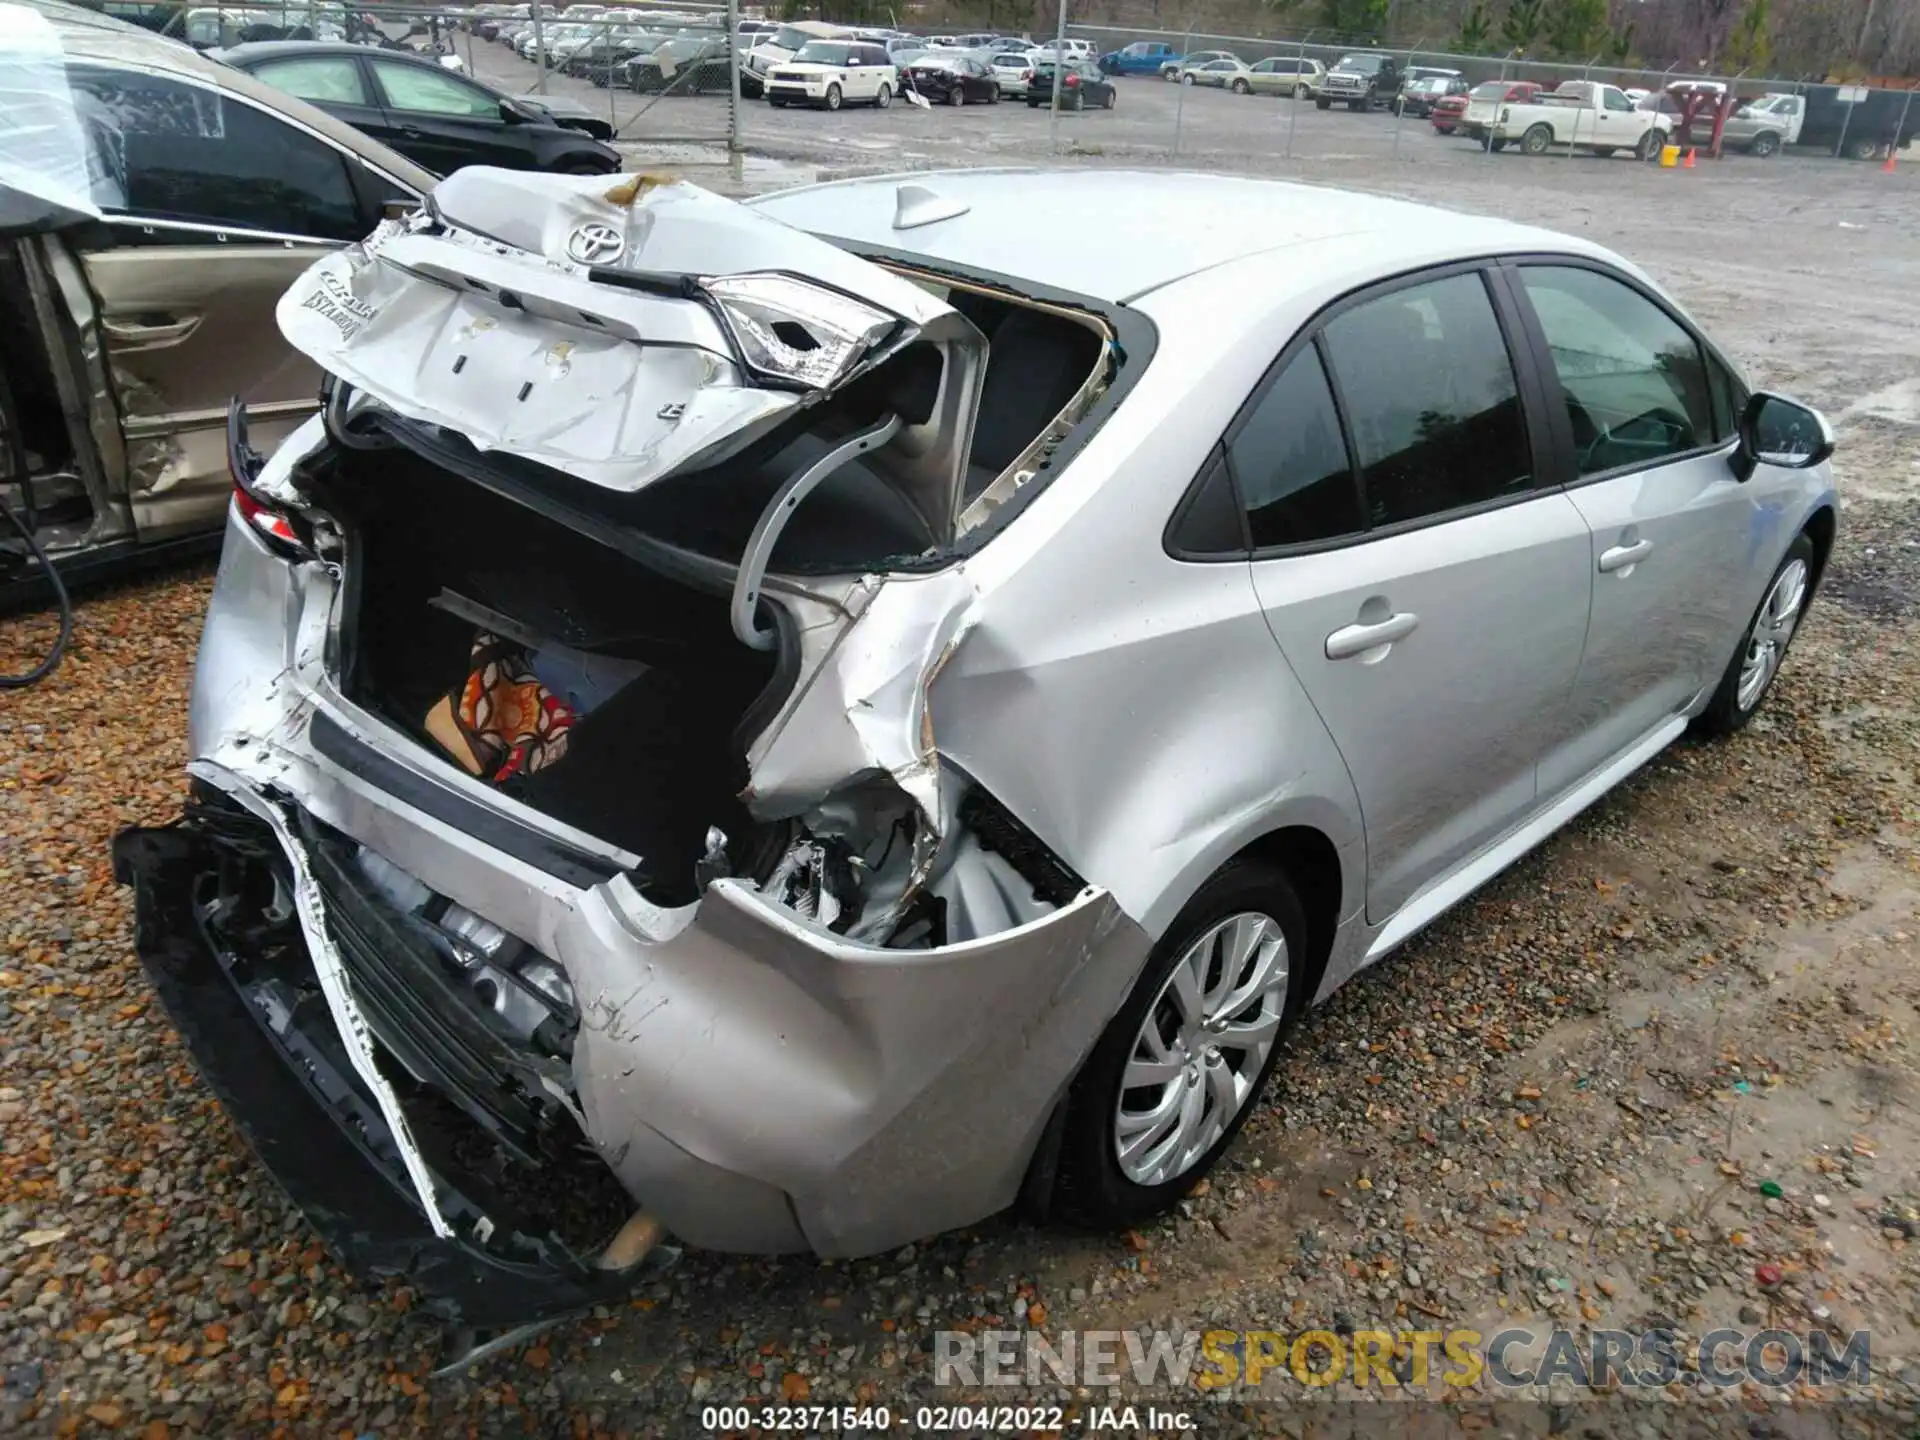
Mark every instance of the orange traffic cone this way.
pixel 1888 167
pixel 1688 165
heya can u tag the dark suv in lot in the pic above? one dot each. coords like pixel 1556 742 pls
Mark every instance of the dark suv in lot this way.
pixel 1362 81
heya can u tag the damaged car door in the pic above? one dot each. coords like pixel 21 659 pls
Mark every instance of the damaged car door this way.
pixel 212 206
pixel 1413 570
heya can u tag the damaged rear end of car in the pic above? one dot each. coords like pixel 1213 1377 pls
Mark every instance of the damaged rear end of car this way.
pixel 572 857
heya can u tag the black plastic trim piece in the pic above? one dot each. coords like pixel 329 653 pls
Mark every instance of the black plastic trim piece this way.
pixel 1001 832
pixel 562 861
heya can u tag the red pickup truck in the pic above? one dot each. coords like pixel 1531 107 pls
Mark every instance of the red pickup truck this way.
pixel 1449 114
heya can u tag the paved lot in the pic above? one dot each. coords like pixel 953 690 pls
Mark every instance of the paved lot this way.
pixel 1559 1106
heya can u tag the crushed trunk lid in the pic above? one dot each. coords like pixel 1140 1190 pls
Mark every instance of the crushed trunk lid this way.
pixel 624 328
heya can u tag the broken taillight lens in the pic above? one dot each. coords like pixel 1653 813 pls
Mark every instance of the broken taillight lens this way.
pixel 787 329
pixel 270 523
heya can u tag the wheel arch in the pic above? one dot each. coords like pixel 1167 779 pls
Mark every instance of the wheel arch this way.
pixel 1311 862
pixel 1821 527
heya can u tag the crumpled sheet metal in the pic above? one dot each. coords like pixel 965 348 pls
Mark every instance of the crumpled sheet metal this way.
pixel 865 711
pixel 617 386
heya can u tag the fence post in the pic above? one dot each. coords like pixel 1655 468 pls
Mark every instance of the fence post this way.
pixel 1293 110
pixel 539 52
pixel 603 59
pixel 1846 119
pixel 1059 64
pixel 734 145
pixel 1180 79
pixel 1400 99
pixel 1893 142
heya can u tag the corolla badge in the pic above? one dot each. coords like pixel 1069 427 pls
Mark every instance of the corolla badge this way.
pixel 594 243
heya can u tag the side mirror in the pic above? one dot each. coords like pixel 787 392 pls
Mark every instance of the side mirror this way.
pixel 1774 430
pixel 513 114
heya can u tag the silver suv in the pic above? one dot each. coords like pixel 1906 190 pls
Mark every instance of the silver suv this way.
pixel 911 734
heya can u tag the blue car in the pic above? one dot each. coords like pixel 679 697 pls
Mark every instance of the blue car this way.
pixel 1143 57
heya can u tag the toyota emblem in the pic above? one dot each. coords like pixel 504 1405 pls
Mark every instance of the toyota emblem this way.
pixel 594 243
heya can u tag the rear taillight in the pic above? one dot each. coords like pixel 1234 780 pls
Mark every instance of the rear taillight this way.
pixel 243 466
pixel 1072 80
pixel 270 523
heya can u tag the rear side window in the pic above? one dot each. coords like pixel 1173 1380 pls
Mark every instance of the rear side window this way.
pixel 1635 381
pixel 1291 463
pixel 164 150
pixel 1431 400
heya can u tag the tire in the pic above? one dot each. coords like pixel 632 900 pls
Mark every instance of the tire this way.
pixel 1650 146
pixel 883 97
pixel 1538 139
pixel 1033 104
pixel 1112 96
pixel 1240 87
pixel 1356 106
pixel 1323 104
pixel 1093 1187
pixel 1187 79
pixel 1603 151
pixel 583 167
pixel 1079 102
pixel 1763 645
pixel 957 95
pixel 1764 144
pixel 1862 149
pixel 993 97
pixel 833 97
pixel 1496 146
pixel 776 104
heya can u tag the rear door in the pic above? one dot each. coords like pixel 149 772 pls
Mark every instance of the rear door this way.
pixel 1424 582
pixel 213 206
pixel 441 121
pixel 1647 412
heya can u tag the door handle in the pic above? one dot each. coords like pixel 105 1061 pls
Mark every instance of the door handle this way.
pixel 131 335
pixel 1352 640
pixel 1624 557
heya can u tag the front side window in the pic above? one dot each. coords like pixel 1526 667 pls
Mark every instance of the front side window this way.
pixel 325 79
pixel 1635 382
pixel 1290 462
pixel 1617 101
pixel 163 150
pixel 1431 399
pixel 423 90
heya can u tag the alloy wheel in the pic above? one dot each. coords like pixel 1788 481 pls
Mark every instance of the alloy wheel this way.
pixel 1201 1048
pixel 1772 632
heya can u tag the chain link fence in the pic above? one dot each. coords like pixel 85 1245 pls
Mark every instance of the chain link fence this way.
pixel 1859 122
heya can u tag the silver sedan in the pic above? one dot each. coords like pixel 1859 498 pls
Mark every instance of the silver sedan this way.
pixel 922 746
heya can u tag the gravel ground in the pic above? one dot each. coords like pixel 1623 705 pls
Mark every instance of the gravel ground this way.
pixel 1559 1105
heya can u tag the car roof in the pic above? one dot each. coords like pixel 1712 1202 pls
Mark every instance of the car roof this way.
pixel 1030 224
pixel 268 49
pixel 88 36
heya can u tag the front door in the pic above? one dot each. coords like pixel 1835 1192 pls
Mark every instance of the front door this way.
pixel 1429 595
pixel 213 206
pixel 1650 416
pixel 438 120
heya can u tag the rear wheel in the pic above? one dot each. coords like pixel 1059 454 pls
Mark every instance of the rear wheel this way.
pixel 1538 139
pixel 1186 79
pixel 1764 144
pixel 1079 101
pixel 1323 104
pixel 1178 1070
pixel 1496 146
pixel 1240 87
pixel 883 97
pixel 1107 104
pixel 957 95
pixel 833 97
pixel 1750 674
pixel 1862 149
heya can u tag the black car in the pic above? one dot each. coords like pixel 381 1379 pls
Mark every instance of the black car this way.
pixel 422 109
pixel 951 80
pixel 1083 86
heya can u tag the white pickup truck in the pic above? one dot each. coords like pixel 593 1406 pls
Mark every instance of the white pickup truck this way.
pixel 1581 114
